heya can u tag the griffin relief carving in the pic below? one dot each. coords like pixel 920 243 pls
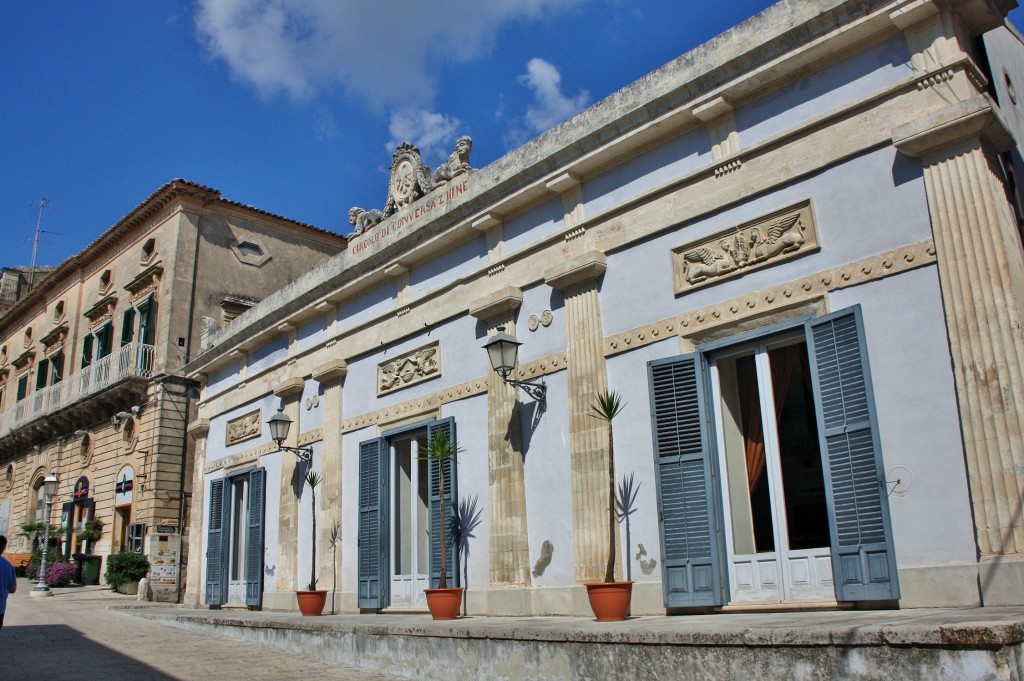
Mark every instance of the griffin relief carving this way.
pixel 752 245
pixel 244 427
pixel 409 369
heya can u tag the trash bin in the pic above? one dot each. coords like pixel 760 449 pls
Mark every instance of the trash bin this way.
pixel 78 558
pixel 91 570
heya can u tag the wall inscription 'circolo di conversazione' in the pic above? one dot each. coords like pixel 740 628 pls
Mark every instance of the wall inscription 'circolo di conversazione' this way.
pixel 409 369
pixel 244 427
pixel 775 238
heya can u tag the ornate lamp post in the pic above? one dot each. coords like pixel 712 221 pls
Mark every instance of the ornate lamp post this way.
pixel 502 350
pixel 279 424
pixel 50 485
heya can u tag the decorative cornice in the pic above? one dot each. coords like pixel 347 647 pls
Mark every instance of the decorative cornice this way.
pixel 199 428
pixel 292 387
pixel 976 117
pixel 330 371
pixel 500 304
pixel 102 310
pixel 582 269
pixel 146 281
pixel 55 337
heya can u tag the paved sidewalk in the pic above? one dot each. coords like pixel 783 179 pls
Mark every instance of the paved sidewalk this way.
pixel 86 633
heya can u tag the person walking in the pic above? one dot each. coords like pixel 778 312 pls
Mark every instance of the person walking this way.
pixel 8 579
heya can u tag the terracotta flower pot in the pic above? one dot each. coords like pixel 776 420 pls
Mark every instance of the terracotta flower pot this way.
pixel 311 603
pixel 610 600
pixel 444 604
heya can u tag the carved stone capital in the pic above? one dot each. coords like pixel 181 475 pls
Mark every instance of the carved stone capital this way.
pixel 199 428
pixel 949 127
pixel 501 303
pixel 330 371
pixel 586 268
pixel 293 387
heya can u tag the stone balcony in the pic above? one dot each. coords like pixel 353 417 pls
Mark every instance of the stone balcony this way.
pixel 111 383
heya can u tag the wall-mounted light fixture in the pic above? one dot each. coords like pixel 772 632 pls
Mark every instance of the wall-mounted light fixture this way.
pixel 502 350
pixel 279 424
pixel 115 421
pixel 81 433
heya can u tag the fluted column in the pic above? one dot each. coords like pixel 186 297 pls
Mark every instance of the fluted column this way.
pixel 331 377
pixel 981 272
pixel 509 541
pixel 192 598
pixel 290 393
pixel 588 440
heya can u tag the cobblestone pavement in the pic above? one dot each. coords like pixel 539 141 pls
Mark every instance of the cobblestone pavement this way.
pixel 83 633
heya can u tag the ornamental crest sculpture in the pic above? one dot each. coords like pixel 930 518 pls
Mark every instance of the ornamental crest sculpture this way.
pixel 409 369
pixel 410 180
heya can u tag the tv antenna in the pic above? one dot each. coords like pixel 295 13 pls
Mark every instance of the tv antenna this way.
pixel 35 242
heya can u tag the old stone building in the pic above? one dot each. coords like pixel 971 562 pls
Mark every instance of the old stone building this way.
pixel 90 367
pixel 794 251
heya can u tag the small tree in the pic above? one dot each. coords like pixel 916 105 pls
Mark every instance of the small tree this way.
pixel 606 407
pixel 335 538
pixel 442 449
pixel 313 480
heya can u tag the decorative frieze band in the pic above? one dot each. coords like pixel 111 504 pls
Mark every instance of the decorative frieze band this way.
pixel 252 455
pixel 779 237
pixel 411 368
pixel 859 272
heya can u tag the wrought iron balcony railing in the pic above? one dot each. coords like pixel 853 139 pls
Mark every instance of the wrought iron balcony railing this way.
pixel 134 360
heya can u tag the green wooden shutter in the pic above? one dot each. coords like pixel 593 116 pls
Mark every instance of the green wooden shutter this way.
pixel 87 350
pixel 451 494
pixel 254 539
pixel 104 340
pixel 863 558
pixel 690 542
pixel 216 568
pixel 42 373
pixel 128 326
pixel 373 524
pixel 57 367
pixel 22 388
pixel 147 319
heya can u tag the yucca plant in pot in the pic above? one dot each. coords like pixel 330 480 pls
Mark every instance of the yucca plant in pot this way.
pixel 609 599
pixel 443 601
pixel 312 600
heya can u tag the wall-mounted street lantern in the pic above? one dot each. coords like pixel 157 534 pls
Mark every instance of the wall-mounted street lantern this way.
pixel 279 424
pixel 502 350
pixel 50 490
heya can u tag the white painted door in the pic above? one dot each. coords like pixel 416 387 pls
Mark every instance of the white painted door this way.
pixel 410 521
pixel 773 490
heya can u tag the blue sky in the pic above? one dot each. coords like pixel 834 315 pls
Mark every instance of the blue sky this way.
pixel 294 106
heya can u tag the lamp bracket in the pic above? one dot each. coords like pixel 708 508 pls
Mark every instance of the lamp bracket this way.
pixel 304 453
pixel 537 390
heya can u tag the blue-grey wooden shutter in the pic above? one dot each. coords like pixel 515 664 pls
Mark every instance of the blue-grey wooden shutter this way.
pixel 216 584
pixel 691 547
pixel 373 524
pixel 863 558
pixel 451 493
pixel 254 548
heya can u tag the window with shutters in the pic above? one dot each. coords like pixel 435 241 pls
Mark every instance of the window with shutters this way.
pixel 770 485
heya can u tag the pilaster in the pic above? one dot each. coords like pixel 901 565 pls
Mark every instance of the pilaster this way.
pixel 331 377
pixel 509 541
pixel 290 392
pixel 981 272
pixel 192 597
pixel 587 376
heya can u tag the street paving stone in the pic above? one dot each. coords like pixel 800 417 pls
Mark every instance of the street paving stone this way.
pixel 85 633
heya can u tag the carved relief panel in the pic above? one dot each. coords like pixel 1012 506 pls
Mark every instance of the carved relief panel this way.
pixel 778 237
pixel 409 369
pixel 244 427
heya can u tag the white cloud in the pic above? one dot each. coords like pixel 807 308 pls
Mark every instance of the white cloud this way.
pixel 386 54
pixel 550 106
pixel 432 133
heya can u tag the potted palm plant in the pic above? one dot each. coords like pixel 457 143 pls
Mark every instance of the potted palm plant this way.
pixel 312 600
pixel 609 599
pixel 443 602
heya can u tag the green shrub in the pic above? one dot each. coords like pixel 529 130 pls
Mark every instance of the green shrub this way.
pixel 124 568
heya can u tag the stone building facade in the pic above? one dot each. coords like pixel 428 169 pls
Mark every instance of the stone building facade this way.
pixel 90 368
pixel 794 251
